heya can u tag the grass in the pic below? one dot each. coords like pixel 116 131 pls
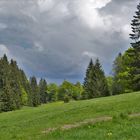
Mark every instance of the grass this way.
pixel 28 123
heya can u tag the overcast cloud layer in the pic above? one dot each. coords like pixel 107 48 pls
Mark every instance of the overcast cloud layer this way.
pixel 55 39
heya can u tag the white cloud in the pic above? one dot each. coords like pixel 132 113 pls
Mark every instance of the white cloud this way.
pixel 87 10
pixel 3 50
pixel 125 31
pixel 38 47
pixel 45 5
pixel 64 33
pixel 89 54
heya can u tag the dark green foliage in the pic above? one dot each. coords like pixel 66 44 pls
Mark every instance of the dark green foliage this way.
pixel 10 96
pixel 43 91
pixel 15 89
pixel 15 84
pixel 134 65
pixel 127 66
pixel 118 85
pixel 95 83
pixel 135 36
pixel 34 94
pixel 100 80
pixel 89 87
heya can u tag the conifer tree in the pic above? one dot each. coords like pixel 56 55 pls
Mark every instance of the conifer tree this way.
pixel 135 36
pixel 43 91
pixel 35 97
pixel 100 81
pixel 15 84
pixel 7 100
pixel 88 82
pixel 135 25
pixel 95 84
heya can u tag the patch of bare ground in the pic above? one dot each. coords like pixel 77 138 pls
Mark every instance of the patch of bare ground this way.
pixel 78 124
pixel 134 115
pixel 85 122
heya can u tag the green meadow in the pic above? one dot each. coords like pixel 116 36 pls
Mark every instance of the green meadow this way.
pixel 45 122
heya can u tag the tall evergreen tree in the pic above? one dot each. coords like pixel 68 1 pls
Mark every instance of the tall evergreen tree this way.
pixel 35 97
pixel 100 81
pixel 135 36
pixel 15 84
pixel 7 94
pixel 43 91
pixel 89 82
pixel 95 84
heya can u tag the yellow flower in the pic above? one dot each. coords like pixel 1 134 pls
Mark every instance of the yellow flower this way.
pixel 109 134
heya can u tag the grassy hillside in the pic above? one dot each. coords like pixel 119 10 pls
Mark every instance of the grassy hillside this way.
pixel 31 123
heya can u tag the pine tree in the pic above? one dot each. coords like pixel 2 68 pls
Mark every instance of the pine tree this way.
pixel 7 100
pixel 136 29
pixel 15 84
pixel 35 97
pixel 135 36
pixel 100 81
pixel 88 82
pixel 95 84
pixel 43 91
pixel 6 97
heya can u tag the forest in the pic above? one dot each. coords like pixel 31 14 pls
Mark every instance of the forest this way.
pixel 16 90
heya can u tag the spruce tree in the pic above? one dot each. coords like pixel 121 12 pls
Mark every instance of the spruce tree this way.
pixel 35 97
pixel 135 25
pixel 95 84
pixel 7 100
pixel 135 36
pixel 88 82
pixel 43 91
pixel 15 84
pixel 100 81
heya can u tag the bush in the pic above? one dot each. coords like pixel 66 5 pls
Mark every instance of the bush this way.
pixel 66 99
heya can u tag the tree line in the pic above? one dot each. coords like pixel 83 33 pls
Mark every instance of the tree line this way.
pixel 126 69
pixel 16 90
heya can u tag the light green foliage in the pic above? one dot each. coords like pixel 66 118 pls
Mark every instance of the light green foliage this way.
pixel 52 91
pixel 24 96
pixel 73 91
pixel 125 77
pixel 110 84
pixel 29 123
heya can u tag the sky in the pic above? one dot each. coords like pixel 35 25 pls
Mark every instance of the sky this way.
pixel 55 39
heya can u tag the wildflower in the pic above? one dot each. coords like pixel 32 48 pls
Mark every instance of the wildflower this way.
pixel 109 134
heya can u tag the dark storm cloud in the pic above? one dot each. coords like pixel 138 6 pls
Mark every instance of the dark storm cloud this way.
pixel 56 38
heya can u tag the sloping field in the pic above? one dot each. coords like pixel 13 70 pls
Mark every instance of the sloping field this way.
pixel 116 118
